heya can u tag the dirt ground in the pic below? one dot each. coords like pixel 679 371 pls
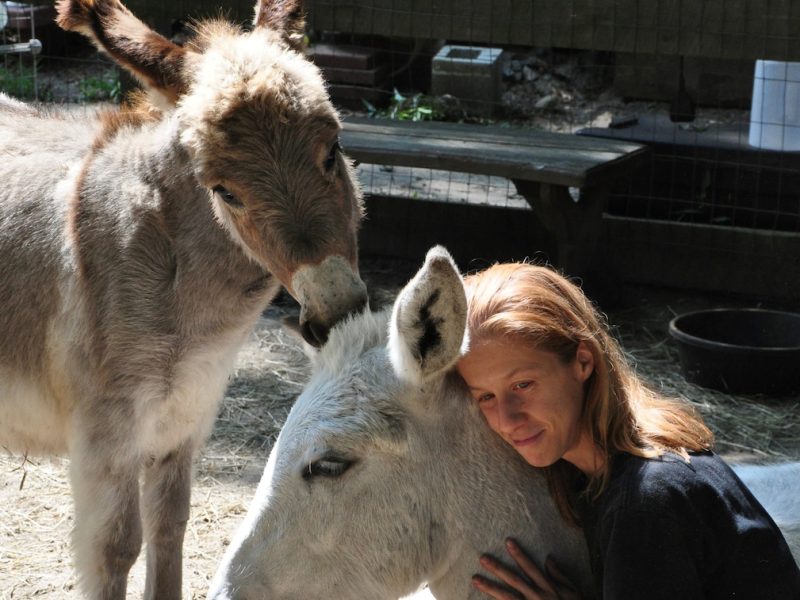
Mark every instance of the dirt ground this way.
pixel 36 507
pixel 35 502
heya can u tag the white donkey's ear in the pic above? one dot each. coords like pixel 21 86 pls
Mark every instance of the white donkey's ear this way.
pixel 428 326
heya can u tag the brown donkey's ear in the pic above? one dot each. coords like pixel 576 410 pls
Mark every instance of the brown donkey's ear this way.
pixel 154 60
pixel 284 16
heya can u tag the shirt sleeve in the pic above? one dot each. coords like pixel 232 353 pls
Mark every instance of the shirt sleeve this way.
pixel 649 556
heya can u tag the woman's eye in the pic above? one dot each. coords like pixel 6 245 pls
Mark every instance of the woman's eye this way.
pixel 485 398
pixel 524 384
pixel 227 197
pixel 330 162
pixel 329 466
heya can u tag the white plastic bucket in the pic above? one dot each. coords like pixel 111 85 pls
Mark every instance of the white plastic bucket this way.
pixel 775 109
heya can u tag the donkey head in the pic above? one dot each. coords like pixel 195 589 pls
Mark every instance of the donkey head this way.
pixel 385 475
pixel 347 501
pixel 254 118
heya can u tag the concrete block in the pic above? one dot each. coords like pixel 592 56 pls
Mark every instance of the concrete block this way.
pixel 471 74
pixel 353 73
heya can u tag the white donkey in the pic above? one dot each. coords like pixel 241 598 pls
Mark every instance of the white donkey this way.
pixel 385 477
pixel 137 250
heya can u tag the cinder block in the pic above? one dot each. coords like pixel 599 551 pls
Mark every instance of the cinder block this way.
pixel 353 73
pixel 471 74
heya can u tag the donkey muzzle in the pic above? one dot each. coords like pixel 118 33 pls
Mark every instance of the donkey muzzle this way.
pixel 327 293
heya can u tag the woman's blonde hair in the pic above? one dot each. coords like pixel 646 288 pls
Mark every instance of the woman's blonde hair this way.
pixel 541 307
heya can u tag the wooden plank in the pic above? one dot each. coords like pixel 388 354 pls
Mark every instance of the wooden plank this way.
pixel 500 28
pixel 374 77
pixel 342 56
pixel 525 139
pixel 711 38
pixel 520 27
pixel 422 19
pixel 525 154
pixel 703 257
pixel 624 26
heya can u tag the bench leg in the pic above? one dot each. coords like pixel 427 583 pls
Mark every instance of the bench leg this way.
pixel 575 225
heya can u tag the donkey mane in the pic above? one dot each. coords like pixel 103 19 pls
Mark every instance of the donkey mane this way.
pixel 248 66
pixel 133 114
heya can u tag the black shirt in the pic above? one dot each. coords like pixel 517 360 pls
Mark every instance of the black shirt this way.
pixel 665 528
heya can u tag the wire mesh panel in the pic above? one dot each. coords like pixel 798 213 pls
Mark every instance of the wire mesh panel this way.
pixel 679 76
pixel 19 50
pixel 712 88
pixel 63 68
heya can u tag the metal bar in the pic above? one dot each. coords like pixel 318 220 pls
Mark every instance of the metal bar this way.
pixel 30 47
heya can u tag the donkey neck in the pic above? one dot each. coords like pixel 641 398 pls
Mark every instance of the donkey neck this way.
pixel 159 169
pixel 488 489
pixel 156 201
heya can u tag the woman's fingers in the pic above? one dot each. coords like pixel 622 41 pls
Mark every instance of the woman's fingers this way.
pixel 506 575
pixel 492 589
pixel 528 566
pixel 566 589
pixel 556 574
pixel 531 584
pixel 520 584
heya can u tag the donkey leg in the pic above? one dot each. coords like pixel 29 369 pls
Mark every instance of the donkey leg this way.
pixel 108 530
pixel 166 511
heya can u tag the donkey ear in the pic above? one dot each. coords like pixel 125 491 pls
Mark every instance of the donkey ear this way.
pixel 428 326
pixel 151 58
pixel 284 16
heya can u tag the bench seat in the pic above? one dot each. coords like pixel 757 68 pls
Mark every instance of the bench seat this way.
pixel 542 165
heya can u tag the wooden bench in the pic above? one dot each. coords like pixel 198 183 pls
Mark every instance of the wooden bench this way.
pixel 565 178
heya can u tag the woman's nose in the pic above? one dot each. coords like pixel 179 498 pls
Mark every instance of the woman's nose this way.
pixel 509 413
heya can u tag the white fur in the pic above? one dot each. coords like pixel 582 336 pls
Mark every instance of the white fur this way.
pixel 406 327
pixel 28 412
pixel 430 487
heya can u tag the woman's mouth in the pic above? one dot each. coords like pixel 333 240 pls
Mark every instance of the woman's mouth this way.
pixel 528 441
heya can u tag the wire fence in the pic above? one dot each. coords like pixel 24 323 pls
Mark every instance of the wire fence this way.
pixel 678 76
pixel 19 76
pixel 712 87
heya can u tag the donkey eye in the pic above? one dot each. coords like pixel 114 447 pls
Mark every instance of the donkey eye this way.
pixel 328 466
pixel 330 162
pixel 227 197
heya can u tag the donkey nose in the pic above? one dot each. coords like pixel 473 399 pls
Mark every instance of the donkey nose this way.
pixel 327 292
pixel 315 331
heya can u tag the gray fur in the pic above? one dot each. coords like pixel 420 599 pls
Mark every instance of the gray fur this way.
pixel 128 284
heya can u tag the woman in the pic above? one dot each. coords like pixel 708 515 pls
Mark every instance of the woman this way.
pixel 663 516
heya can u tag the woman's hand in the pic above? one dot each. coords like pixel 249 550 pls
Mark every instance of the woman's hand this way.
pixel 532 584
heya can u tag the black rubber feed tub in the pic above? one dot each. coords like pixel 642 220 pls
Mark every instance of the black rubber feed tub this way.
pixel 741 351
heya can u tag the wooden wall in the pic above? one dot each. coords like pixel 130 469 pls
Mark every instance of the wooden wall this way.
pixel 737 29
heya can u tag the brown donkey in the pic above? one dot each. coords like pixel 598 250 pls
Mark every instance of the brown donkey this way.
pixel 137 250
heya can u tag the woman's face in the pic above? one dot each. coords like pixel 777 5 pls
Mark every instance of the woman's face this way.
pixel 532 399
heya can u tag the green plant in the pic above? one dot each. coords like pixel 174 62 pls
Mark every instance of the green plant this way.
pixel 417 107
pixel 18 79
pixel 94 89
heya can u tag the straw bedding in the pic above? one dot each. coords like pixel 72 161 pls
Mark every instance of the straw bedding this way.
pixel 35 503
